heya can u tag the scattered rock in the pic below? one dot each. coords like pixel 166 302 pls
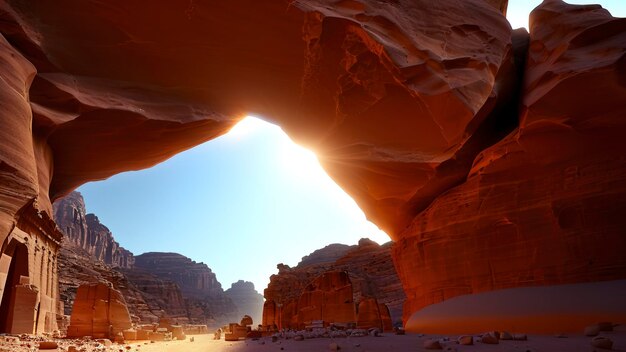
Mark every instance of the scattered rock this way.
pixel 505 335
pixel 375 332
pixel 520 337
pixel 602 342
pixel 48 345
pixel 298 338
pixel 431 344
pixel 465 340
pixel 592 330
pixel 490 338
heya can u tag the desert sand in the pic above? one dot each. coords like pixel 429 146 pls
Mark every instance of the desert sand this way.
pixel 384 343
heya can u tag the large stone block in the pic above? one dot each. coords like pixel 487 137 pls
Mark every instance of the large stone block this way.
pixel 99 311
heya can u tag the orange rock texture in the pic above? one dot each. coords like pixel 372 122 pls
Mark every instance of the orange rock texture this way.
pixel 356 284
pixel 409 105
pixel 372 279
pixel 547 204
pixel 99 311
pixel 119 88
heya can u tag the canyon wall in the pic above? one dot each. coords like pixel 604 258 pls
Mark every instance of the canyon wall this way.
pixel 369 272
pixel 161 284
pixel 546 204
pixel 204 296
pixel 247 299
pixel 86 232
pixel 492 157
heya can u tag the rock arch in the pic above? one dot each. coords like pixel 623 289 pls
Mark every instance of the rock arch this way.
pixel 427 113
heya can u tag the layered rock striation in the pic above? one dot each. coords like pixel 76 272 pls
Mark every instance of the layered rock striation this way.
pixel 545 205
pixel 369 271
pixel 86 232
pixel 204 297
pixel 487 170
pixel 160 285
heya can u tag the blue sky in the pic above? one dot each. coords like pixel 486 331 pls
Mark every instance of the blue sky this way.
pixel 243 202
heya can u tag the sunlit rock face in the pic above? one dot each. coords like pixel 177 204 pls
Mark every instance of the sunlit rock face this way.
pixel 370 272
pixel 547 204
pixel 99 311
pixel 406 103
pixel 121 88
pixel 87 233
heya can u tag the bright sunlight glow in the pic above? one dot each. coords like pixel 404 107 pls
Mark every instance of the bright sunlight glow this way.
pixel 241 203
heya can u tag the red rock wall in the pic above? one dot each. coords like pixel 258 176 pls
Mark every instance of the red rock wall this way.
pixel 397 99
pixel 369 267
pixel 547 204
pixel 337 73
pixel 99 311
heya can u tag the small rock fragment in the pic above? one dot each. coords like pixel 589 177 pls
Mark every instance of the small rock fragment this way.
pixel 431 344
pixel 490 338
pixel 505 335
pixel 48 345
pixel 602 342
pixel 333 346
pixel 465 340
pixel 520 337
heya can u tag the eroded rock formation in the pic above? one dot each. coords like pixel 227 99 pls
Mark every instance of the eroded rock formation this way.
pixel 204 296
pixel 86 232
pixel 409 105
pixel 546 204
pixel 77 267
pixel 247 299
pixel 99 311
pixel 369 270
pixel 150 294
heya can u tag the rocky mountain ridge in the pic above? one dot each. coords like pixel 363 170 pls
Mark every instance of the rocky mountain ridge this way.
pixel 153 284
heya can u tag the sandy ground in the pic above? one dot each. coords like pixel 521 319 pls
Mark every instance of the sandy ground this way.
pixel 385 343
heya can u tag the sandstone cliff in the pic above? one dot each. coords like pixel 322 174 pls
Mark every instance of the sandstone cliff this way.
pixel 247 299
pixel 487 170
pixel 370 271
pixel 86 232
pixel 203 294
pixel 76 267
pixel 161 284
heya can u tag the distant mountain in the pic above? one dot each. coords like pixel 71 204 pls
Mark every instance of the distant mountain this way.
pixel 248 300
pixel 153 284
pixel 326 255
